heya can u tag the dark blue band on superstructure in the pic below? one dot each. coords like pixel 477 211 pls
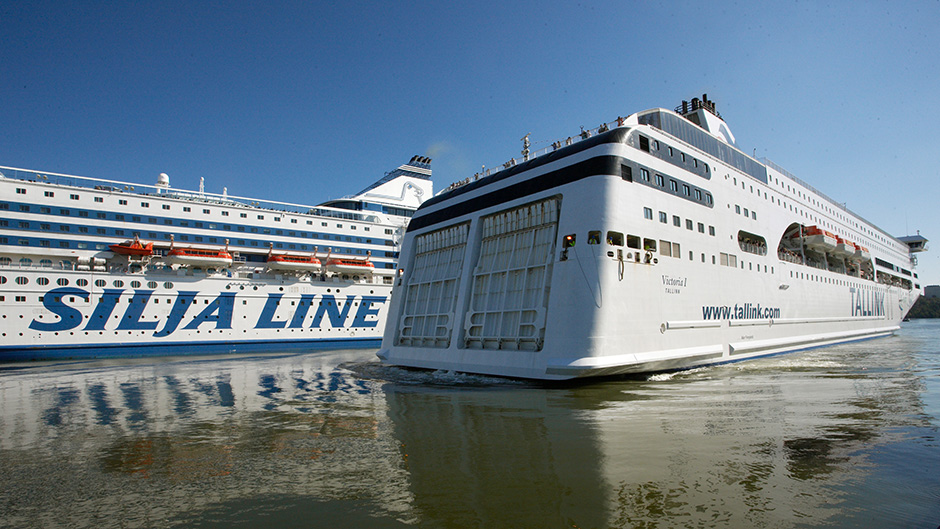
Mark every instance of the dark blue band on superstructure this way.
pixel 600 165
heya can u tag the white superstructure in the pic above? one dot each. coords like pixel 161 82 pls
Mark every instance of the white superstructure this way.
pixel 92 268
pixel 650 243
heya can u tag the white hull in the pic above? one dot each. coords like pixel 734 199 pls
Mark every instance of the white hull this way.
pixel 495 289
pixel 63 293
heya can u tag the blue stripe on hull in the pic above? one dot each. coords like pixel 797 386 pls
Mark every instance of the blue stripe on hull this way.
pixel 143 349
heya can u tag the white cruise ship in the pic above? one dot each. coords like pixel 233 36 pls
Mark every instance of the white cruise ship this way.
pixel 650 243
pixel 95 268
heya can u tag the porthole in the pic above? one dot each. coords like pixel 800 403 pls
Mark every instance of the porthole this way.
pixel 168 285
pixel 82 282
pixel 22 280
pixel 42 281
pixel 135 284
pixel 62 282
pixel 3 280
pixel 118 283
pixel 100 283
pixel 151 284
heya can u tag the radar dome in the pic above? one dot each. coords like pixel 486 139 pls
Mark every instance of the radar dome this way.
pixel 163 180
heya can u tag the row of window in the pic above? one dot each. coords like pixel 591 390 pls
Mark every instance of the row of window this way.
pixel 278 215
pixel 671 185
pixel 666 249
pixel 675 157
pixel 169 221
pixel 120 232
pixel 824 222
pixel 677 221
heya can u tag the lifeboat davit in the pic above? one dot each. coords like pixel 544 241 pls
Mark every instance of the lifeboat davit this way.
pixel 305 263
pixel 817 238
pixel 135 248
pixel 199 256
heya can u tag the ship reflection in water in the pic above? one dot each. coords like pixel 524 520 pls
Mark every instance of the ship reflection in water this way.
pixel 844 436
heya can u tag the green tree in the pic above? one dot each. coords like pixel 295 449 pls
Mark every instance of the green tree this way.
pixel 925 308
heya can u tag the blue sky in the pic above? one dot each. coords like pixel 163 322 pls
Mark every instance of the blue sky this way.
pixel 304 101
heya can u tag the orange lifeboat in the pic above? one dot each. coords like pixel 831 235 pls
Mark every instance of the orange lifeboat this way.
pixel 199 256
pixel 818 239
pixel 845 248
pixel 134 248
pixel 349 265
pixel 862 253
pixel 293 262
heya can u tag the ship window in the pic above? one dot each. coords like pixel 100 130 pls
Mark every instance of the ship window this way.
pixel 20 191
pixel 691 254
pixel 594 237
pixel 615 238
pixel 746 213
pixel 21 280
pixel 688 224
pixel 701 228
pixel 665 248
pixel 754 215
pixel 663 217
pixel 676 221
pixel 649 245
pixel 633 241
pixel 569 240
pixel 645 174
pixel 626 172
pixel 698 194
pixel 660 180
pixel 737 209
pixel 673 186
pixel 73 197
pixel 711 231
pixel 686 190
pixel 187 209
pixel 122 202
pixel 206 211
pixel 644 146
pixel 648 213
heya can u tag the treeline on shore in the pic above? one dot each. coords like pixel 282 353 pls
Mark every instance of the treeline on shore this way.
pixel 925 308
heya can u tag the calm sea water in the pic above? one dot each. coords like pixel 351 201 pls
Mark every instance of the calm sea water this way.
pixel 845 436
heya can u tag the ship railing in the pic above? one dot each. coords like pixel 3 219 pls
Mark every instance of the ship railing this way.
pixel 115 187
pixel 531 155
